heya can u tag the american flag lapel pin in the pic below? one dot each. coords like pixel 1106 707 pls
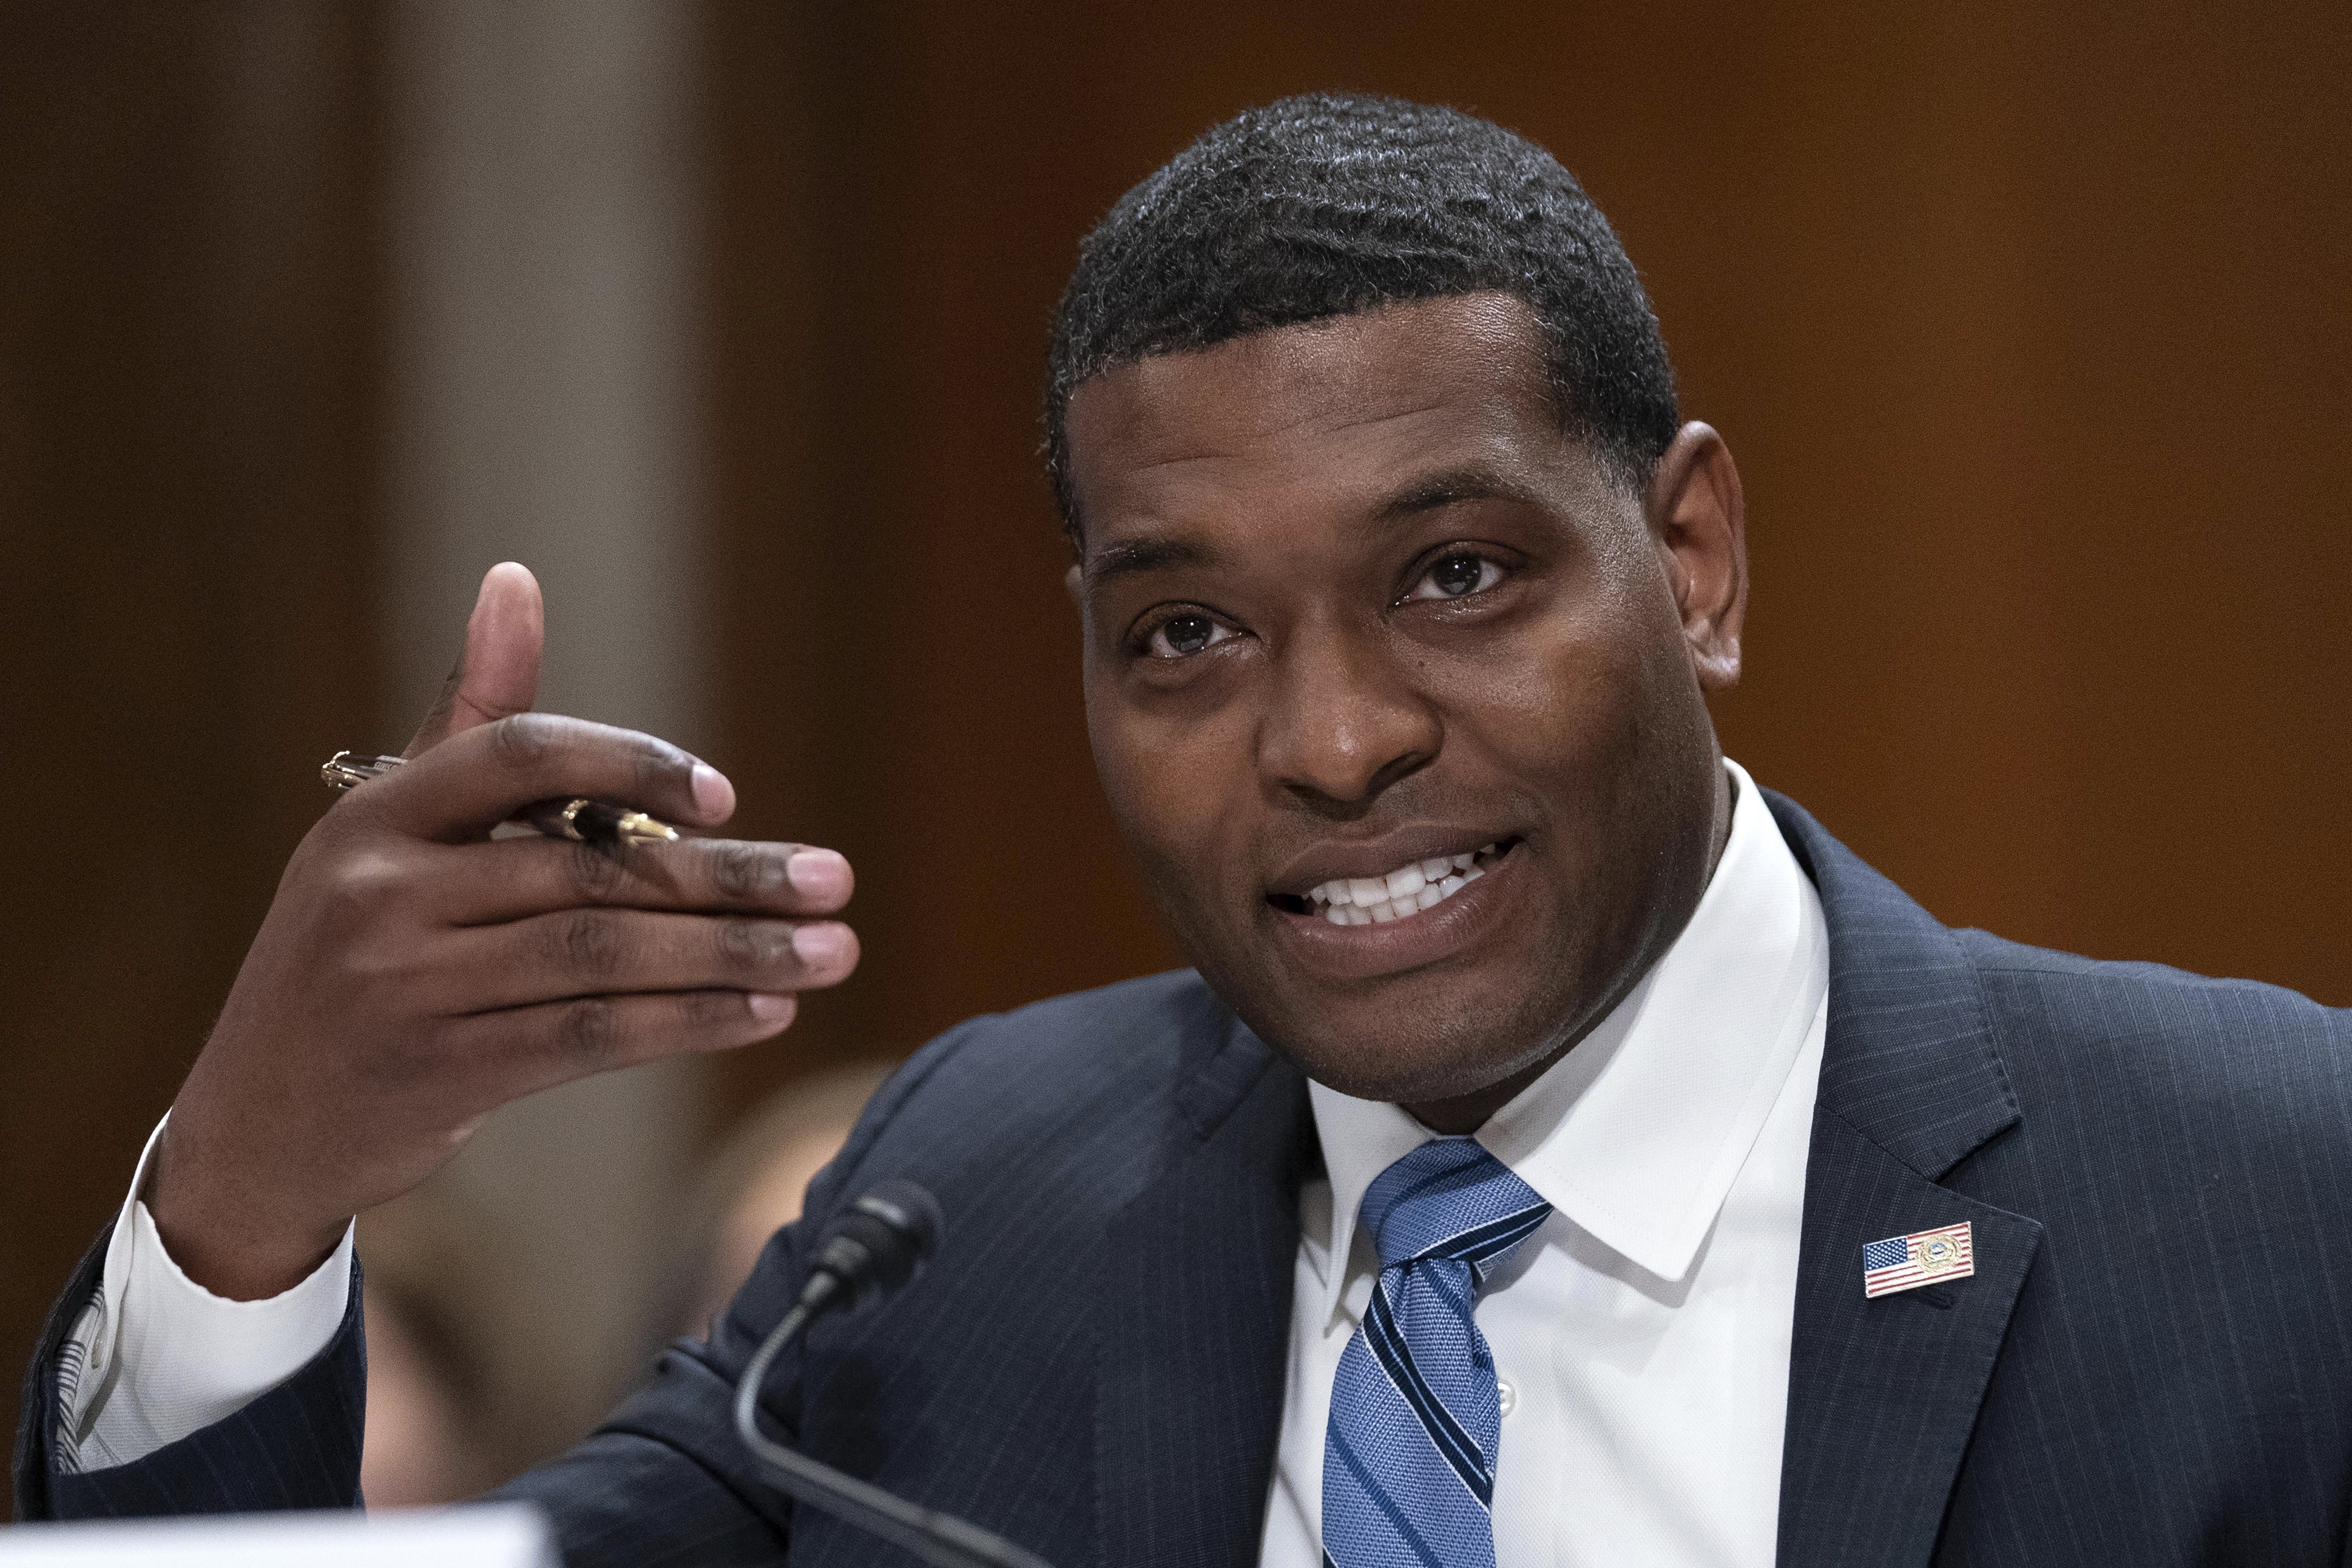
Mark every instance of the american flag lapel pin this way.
pixel 1923 1257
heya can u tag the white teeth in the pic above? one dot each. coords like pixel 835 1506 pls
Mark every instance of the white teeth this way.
pixel 1402 893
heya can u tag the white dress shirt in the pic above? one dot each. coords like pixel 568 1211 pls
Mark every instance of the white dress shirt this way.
pixel 1641 1335
pixel 156 1356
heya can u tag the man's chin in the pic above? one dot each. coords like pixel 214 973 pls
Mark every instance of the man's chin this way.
pixel 1448 1101
pixel 1472 1016
pixel 1371 1053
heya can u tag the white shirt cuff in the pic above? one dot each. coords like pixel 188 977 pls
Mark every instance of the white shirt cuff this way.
pixel 156 1356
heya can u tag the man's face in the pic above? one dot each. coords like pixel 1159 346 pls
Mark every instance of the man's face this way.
pixel 1397 697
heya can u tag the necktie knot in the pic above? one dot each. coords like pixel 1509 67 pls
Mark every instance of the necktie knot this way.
pixel 1451 1199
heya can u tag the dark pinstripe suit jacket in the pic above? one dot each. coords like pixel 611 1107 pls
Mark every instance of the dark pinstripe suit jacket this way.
pixel 2152 1364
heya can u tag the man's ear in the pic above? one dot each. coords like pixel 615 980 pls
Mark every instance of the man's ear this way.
pixel 1699 520
pixel 1073 584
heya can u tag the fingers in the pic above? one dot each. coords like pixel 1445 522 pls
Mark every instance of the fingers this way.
pixel 497 670
pixel 480 776
pixel 556 1042
pixel 525 757
pixel 513 878
pixel 613 953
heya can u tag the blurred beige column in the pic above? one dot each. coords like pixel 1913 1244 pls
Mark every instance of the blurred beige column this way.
pixel 541 245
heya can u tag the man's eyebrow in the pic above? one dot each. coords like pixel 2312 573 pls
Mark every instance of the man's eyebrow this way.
pixel 1128 556
pixel 1435 491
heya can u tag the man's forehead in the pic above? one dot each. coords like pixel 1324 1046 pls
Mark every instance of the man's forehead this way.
pixel 1444 381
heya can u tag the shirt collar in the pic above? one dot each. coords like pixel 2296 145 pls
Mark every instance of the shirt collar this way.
pixel 1636 1135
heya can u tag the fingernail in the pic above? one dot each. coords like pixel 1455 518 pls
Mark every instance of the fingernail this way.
pixel 818 873
pixel 772 1006
pixel 714 797
pixel 821 946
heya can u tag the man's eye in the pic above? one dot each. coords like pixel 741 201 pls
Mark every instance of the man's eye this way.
pixel 1179 636
pixel 1456 575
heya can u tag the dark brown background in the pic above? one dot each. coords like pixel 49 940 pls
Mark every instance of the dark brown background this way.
pixel 2030 332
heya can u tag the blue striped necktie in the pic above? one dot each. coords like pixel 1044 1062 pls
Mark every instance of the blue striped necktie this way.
pixel 1409 1456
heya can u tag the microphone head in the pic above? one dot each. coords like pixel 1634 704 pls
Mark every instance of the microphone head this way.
pixel 910 1226
pixel 876 1244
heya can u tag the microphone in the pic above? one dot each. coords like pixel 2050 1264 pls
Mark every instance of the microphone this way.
pixel 870 1250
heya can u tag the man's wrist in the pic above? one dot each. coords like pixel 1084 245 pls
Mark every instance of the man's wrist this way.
pixel 255 1268
pixel 232 1243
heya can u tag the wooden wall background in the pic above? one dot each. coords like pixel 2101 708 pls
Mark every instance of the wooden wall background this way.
pixel 187 375
pixel 2029 328
pixel 2030 332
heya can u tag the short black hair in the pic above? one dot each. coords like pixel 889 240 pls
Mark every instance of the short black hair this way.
pixel 1325 205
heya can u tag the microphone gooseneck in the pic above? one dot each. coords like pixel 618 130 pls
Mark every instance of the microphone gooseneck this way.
pixel 870 1250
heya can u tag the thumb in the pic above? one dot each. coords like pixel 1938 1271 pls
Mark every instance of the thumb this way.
pixel 497 673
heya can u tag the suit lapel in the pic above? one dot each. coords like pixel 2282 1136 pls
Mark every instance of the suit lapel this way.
pixel 1197 1317
pixel 1883 1393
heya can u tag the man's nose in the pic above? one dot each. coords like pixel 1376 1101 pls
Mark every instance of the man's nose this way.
pixel 1345 722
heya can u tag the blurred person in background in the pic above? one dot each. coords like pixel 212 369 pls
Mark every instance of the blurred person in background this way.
pixel 434 1422
pixel 752 1187
pixel 440 1427
pixel 422 1441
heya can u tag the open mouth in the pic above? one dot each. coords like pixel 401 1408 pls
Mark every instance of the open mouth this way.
pixel 1411 889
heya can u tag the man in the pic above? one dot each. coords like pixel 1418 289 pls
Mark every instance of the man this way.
pixel 1565 1150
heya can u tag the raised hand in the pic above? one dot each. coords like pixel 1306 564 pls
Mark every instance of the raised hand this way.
pixel 414 974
